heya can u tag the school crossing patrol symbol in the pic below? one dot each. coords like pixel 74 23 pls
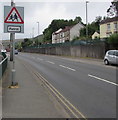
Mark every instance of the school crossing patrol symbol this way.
pixel 13 19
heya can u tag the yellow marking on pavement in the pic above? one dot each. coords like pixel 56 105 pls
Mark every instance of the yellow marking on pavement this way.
pixel 13 86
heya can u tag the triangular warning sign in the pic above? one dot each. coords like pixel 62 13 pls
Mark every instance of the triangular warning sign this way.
pixel 14 17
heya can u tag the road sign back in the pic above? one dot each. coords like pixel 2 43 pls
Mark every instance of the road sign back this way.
pixel 14 17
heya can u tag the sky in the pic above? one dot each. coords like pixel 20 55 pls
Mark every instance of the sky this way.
pixel 44 11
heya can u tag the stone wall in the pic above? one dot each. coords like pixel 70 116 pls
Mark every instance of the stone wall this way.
pixel 93 51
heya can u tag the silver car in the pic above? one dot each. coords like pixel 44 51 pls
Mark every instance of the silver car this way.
pixel 111 57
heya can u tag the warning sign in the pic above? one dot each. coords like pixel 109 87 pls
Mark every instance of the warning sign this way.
pixel 14 17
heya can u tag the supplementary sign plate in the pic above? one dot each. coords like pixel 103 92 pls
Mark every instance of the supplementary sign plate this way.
pixel 14 29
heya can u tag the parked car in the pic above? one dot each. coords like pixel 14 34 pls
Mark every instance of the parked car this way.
pixel 16 51
pixel 1 56
pixel 111 57
pixel 3 50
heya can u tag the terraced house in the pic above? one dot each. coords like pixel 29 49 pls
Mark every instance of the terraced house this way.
pixel 108 27
pixel 67 34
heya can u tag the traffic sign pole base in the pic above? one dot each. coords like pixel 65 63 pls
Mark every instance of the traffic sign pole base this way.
pixel 14 85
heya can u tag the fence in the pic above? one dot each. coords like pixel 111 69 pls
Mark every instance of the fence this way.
pixel 3 66
pixel 72 43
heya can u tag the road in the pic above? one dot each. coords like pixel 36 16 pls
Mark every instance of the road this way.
pixel 89 86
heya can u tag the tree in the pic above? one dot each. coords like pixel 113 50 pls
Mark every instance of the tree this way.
pixel 27 42
pixel 113 9
pixel 93 27
pixel 56 25
pixel 113 39
pixel 78 19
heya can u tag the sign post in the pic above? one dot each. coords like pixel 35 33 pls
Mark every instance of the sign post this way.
pixel 13 23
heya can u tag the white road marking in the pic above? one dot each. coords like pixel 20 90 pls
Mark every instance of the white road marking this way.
pixel 39 59
pixel 67 67
pixel 50 62
pixel 101 79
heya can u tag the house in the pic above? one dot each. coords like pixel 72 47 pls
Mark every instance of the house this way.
pixel 96 35
pixel 55 36
pixel 67 34
pixel 108 27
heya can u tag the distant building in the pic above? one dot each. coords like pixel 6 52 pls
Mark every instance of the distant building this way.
pixel 96 35
pixel 108 27
pixel 67 34
pixel 6 43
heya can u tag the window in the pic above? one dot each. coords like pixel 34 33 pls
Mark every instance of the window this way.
pixel 116 53
pixel 108 27
pixel 111 52
pixel 115 26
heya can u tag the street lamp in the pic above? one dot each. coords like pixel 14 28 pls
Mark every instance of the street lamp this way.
pixel 32 32
pixel 86 19
pixel 38 33
pixel 38 27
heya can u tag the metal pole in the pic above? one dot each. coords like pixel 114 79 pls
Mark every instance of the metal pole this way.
pixel 12 56
pixel 38 33
pixel 38 28
pixel 11 37
pixel 13 69
pixel 33 32
pixel 11 47
pixel 86 19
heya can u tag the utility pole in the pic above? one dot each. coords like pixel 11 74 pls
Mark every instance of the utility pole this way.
pixel 86 20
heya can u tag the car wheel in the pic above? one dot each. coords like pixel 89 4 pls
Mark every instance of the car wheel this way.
pixel 106 62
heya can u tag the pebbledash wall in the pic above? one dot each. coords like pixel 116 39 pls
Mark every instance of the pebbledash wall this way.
pixel 90 50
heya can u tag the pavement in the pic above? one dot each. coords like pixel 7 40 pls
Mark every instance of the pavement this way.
pixel 30 99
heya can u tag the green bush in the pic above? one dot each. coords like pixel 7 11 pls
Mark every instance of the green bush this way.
pixel 113 39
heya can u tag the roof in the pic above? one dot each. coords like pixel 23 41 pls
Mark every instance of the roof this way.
pixel 109 20
pixel 67 28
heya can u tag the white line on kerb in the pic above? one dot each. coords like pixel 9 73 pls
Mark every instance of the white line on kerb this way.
pixel 39 59
pixel 67 67
pixel 50 62
pixel 101 79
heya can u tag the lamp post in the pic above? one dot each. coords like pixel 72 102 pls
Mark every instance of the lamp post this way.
pixel 32 32
pixel 86 19
pixel 38 27
pixel 38 33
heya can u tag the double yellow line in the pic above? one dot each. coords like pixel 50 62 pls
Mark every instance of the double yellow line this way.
pixel 71 108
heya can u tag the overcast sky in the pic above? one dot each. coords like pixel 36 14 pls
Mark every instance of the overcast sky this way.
pixel 44 11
